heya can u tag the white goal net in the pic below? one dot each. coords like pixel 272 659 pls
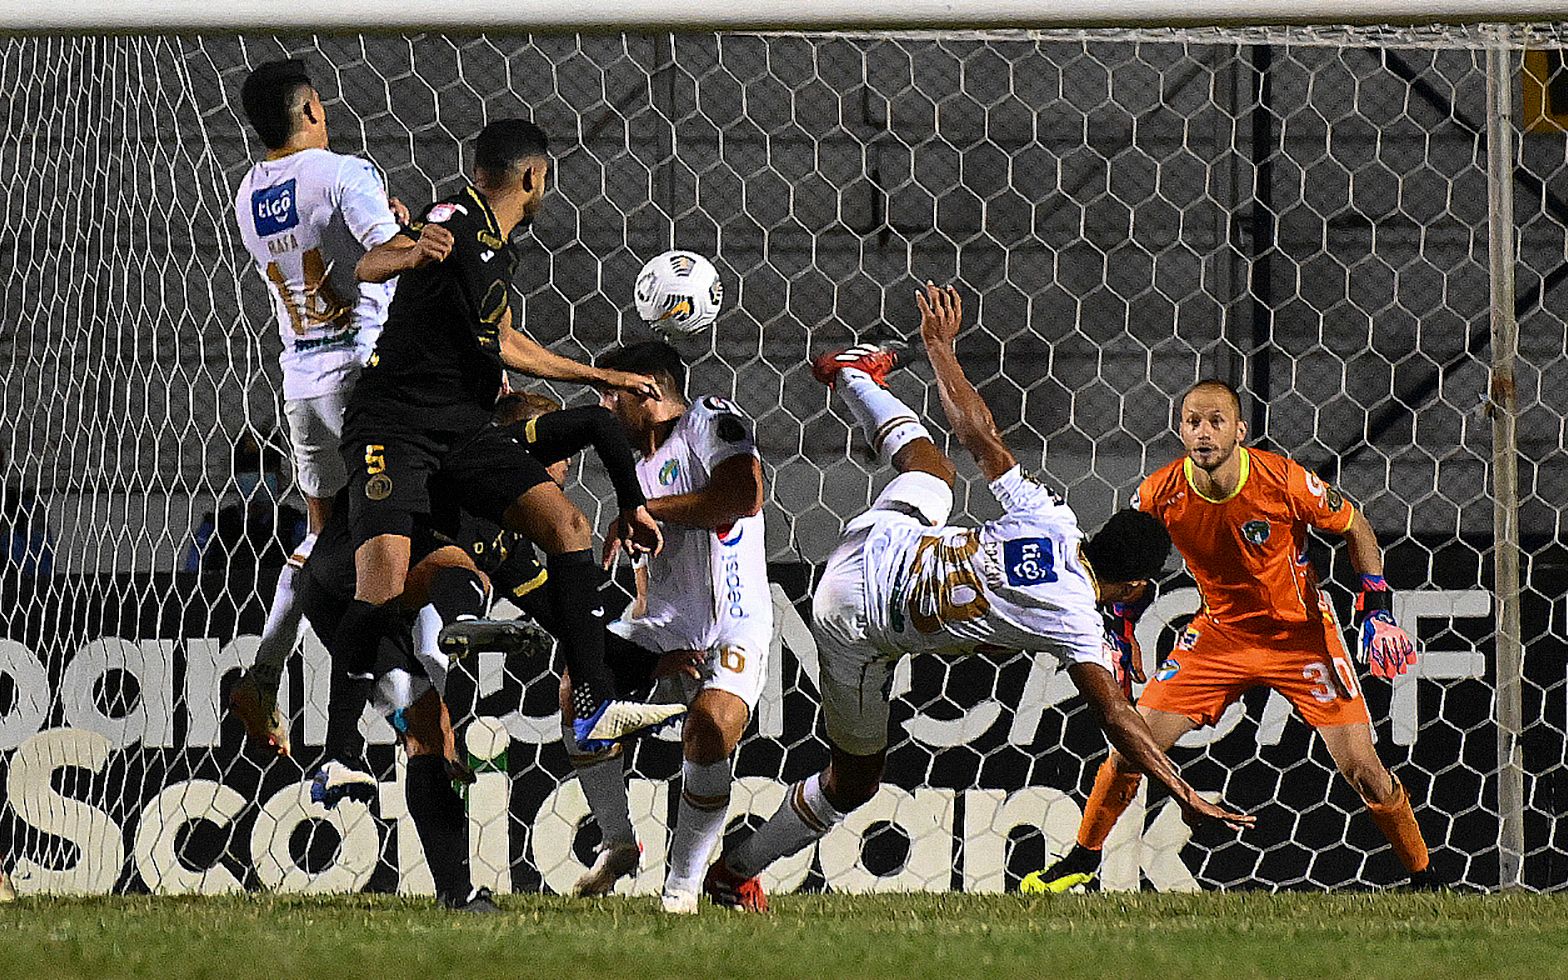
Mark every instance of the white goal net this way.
pixel 1302 211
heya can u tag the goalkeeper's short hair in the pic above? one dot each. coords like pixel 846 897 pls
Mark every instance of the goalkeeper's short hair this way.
pixel 268 99
pixel 1129 547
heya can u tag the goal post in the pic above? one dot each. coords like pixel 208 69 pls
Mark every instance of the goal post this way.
pixel 1344 218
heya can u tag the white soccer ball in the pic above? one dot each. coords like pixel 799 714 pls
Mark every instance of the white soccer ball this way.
pixel 679 293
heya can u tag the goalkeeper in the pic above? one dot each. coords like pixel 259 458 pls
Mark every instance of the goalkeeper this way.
pixel 1239 517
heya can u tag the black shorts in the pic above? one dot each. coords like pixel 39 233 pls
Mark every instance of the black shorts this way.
pixel 406 462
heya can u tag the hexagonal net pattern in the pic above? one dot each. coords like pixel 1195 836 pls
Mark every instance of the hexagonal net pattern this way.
pixel 1301 212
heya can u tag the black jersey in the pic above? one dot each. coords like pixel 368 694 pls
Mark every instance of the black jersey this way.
pixel 441 343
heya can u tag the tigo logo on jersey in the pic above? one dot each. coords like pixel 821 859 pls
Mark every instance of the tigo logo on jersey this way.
pixel 1256 532
pixel 1168 669
pixel 668 472
pixel 729 535
pixel 1029 561
pixel 274 208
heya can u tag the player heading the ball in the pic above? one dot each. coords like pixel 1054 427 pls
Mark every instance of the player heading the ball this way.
pixel 905 581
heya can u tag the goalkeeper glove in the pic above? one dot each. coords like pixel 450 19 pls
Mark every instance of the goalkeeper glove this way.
pixel 1385 648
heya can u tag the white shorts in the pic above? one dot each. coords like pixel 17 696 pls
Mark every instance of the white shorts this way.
pixel 739 667
pixel 316 433
pixel 855 675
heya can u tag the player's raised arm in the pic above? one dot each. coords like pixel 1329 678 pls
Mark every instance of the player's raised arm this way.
pixel 941 317
pixel 523 354
pixel 1130 734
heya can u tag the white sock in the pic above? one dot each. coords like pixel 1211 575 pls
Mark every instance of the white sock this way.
pixel 803 817
pixel 888 423
pixel 281 633
pixel 603 779
pixel 427 627
pixel 699 823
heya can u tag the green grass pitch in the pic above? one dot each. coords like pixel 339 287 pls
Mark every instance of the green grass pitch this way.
pixel 1172 937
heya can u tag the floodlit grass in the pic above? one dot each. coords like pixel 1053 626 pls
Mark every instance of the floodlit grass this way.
pixel 1172 937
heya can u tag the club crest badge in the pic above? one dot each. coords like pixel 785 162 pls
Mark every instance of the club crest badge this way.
pixel 1168 669
pixel 1256 532
pixel 668 472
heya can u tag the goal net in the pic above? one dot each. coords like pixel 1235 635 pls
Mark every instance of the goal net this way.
pixel 1302 211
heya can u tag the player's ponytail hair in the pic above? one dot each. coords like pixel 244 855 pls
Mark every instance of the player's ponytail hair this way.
pixel 268 99
pixel 1130 546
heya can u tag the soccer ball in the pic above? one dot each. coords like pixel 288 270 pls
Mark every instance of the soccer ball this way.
pixel 679 293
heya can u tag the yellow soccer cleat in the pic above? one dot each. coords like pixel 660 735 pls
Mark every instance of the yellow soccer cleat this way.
pixel 258 712
pixel 1078 868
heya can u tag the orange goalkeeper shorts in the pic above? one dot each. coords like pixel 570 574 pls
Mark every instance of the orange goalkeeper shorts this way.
pixel 1212 666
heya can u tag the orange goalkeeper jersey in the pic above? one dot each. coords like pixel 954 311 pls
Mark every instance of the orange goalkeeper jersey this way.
pixel 1248 551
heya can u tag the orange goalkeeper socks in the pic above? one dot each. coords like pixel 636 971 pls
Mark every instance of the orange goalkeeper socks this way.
pixel 1398 823
pixel 1112 794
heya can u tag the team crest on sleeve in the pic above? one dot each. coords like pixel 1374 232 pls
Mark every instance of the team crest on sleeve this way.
pixel 275 209
pixel 1170 668
pixel 1255 532
pixel 669 472
pixel 1335 500
pixel 444 212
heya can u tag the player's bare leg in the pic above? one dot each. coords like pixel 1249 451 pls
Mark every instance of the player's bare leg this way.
pixel 715 721
pixel 254 699
pixel 1115 786
pixel 437 811
pixel 548 518
pixel 1388 803
pixel 380 571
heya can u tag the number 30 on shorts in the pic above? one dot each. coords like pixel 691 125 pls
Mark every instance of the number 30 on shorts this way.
pixel 1323 687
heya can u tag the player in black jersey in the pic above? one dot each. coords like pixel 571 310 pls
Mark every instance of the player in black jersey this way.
pixel 421 411
pixel 456 569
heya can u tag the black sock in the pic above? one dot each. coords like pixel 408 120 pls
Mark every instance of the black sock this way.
pixel 354 647
pixel 457 592
pixel 574 582
pixel 438 815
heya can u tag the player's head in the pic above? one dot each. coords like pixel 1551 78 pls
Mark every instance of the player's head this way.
pixel 282 104
pixel 1126 552
pixel 516 407
pixel 659 361
pixel 513 156
pixel 1210 423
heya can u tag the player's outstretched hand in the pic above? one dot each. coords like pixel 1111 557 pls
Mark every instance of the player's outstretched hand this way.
pixel 679 662
pixel 1197 811
pixel 1385 646
pixel 941 314
pixel 636 532
pixel 399 211
pixel 637 384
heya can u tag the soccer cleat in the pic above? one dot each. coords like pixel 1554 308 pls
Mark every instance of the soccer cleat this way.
pixel 336 781
pixel 477 902
pixel 875 360
pixel 725 887
pixel 679 903
pixel 1426 880
pixel 613 720
pixel 1079 867
pixel 258 711
pixel 614 862
pixel 457 640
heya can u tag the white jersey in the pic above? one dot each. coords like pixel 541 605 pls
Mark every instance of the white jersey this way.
pixel 1015 583
pixel 306 219
pixel 707 587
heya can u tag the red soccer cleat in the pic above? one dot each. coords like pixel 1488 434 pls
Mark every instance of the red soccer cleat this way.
pixel 873 359
pixel 728 889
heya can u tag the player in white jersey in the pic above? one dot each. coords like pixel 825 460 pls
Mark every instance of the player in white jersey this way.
pixel 306 215
pixel 905 581
pixel 706 592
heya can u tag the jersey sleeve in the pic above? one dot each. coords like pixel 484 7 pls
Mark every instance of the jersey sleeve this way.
pixel 721 430
pixel 1315 502
pixel 1018 493
pixel 1143 496
pixel 362 200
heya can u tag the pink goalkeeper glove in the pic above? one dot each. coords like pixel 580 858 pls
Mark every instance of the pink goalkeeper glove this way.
pixel 1385 647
